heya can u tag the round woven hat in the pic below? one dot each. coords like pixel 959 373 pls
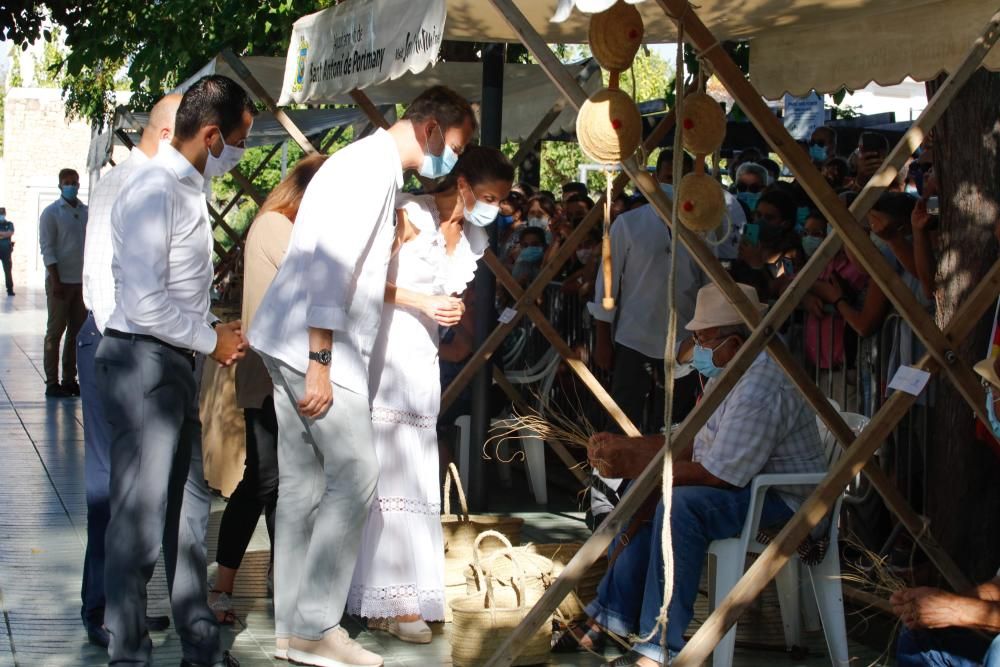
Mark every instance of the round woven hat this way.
pixel 704 124
pixel 609 127
pixel 615 36
pixel 702 204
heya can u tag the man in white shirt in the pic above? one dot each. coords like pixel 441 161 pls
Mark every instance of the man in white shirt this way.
pixel 632 337
pixel 162 268
pixel 315 328
pixel 99 298
pixel 61 229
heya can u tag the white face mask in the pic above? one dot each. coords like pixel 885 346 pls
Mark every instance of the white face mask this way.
pixel 481 214
pixel 541 223
pixel 225 162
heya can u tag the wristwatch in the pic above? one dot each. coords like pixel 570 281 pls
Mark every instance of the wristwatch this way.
pixel 323 357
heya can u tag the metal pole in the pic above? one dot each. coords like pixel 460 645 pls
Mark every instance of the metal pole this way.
pixel 485 283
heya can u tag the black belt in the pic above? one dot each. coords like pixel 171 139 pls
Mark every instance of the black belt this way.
pixel 114 333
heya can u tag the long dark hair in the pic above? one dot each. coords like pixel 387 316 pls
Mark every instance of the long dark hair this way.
pixel 479 164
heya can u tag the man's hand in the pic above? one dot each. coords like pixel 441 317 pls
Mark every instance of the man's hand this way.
pixel 926 608
pixel 920 218
pixel 447 311
pixel 828 290
pixel 59 289
pixel 813 305
pixel 868 163
pixel 621 456
pixel 319 392
pixel 230 346
pixel 604 354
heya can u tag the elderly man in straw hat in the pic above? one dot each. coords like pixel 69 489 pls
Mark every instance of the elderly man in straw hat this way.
pixel 762 426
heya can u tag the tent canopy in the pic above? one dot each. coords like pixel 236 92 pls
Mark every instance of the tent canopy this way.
pixel 528 94
pixel 798 45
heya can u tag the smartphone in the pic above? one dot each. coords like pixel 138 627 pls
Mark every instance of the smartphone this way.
pixel 751 233
pixel 933 206
pixel 871 143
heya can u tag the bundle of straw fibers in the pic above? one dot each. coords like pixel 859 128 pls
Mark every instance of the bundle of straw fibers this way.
pixel 615 36
pixel 704 124
pixel 609 126
pixel 702 204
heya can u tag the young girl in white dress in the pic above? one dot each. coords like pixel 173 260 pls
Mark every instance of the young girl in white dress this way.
pixel 399 579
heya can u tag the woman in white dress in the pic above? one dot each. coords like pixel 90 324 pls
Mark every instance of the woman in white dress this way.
pixel 399 579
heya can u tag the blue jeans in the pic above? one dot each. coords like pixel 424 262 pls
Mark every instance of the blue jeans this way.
pixel 97 474
pixel 700 515
pixel 950 647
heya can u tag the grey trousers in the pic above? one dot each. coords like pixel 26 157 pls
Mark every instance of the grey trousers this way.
pixel 327 474
pixel 158 495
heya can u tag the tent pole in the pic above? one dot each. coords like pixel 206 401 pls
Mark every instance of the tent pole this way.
pixel 484 284
pixel 251 81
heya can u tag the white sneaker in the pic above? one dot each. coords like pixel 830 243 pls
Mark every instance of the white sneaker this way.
pixel 281 648
pixel 335 649
pixel 414 632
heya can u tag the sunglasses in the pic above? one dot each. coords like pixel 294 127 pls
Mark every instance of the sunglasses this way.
pixel 744 187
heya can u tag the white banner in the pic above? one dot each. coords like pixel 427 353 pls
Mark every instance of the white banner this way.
pixel 803 115
pixel 360 43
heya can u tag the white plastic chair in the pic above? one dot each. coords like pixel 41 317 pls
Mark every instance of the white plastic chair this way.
pixel 729 558
pixel 543 375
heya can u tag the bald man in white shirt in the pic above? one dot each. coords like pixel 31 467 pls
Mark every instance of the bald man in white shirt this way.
pixel 99 298
pixel 145 365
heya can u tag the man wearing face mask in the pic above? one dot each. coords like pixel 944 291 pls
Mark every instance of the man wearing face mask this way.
pixel 822 145
pixel 61 230
pixel 762 426
pixel 99 297
pixel 632 337
pixel 315 330
pixel 145 370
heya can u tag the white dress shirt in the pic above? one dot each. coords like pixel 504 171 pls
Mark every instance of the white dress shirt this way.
pixel 163 254
pixel 333 276
pixel 640 259
pixel 98 281
pixel 61 230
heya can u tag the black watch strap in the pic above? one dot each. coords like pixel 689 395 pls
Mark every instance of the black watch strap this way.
pixel 322 356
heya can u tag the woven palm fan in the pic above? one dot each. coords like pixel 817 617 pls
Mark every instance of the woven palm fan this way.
pixel 704 124
pixel 615 36
pixel 702 204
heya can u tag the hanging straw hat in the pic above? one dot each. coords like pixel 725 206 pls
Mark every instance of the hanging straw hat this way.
pixel 702 205
pixel 609 127
pixel 712 309
pixel 615 36
pixel 704 124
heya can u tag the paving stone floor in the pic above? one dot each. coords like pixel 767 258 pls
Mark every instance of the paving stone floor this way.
pixel 43 534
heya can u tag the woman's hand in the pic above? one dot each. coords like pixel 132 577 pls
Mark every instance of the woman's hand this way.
pixel 319 392
pixel 447 311
pixel 828 290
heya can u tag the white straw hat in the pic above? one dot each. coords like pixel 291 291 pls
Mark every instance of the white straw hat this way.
pixel 713 309
pixel 985 369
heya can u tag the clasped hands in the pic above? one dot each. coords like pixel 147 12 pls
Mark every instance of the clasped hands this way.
pixel 230 344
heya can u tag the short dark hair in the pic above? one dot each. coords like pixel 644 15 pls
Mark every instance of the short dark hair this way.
pixel 577 187
pixel 534 231
pixel 66 173
pixel 781 200
pixel 771 166
pixel 546 204
pixel 578 198
pixel 667 155
pixel 212 100
pixel 442 104
pixel 480 164
pixel 897 205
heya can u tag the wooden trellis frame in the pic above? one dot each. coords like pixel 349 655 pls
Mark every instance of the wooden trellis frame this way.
pixel 939 343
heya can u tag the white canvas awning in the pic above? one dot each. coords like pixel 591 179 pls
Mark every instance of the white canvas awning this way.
pixel 797 45
pixel 528 93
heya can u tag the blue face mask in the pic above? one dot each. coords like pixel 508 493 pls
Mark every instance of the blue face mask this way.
pixel 817 153
pixel 436 166
pixel 504 221
pixel 994 422
pixel 750 199
pixel 704 363
pixel 801 215
pixel 531 254
pixel 69 192
pixel 811 244
pixel 481 214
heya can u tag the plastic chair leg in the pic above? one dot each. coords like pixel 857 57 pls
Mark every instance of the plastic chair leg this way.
pixel 787 582
pixel 534 458
pixel 725 573
pixel 830 599
pixel 464 424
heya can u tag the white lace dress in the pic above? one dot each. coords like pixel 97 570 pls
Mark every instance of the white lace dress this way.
pixel 401 567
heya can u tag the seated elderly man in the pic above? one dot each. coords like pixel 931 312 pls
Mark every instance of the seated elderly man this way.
pixel 762 426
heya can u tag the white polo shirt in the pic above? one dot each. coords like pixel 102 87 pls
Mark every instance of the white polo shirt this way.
pixel 333 276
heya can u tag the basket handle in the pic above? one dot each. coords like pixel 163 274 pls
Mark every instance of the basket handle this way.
pixel 520 585
pixel 509 548
pixel 449 476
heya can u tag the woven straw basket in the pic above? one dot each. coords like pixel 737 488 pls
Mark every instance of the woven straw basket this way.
pixel 572 608
pixel 615 36
pixel 503 566
pixel 702 204
pixel 704 124
pixel 482 622
pixel 609 126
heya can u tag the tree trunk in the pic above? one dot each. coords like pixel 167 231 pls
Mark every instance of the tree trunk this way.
pixel 963 473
